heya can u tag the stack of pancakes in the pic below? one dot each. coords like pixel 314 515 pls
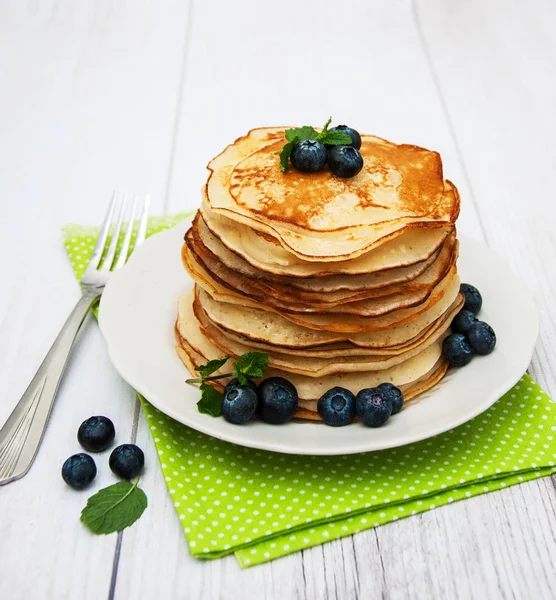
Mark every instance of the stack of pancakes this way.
pixel 343 282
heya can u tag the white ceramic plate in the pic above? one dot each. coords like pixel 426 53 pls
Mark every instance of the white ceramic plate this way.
pixel 138 311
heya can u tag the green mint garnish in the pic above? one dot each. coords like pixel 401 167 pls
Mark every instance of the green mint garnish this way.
pixel 114 508
pixel 211 401
pixel 293 136
pixel 212 366
pixel 301 133
pixel 335 138
pixel 251 365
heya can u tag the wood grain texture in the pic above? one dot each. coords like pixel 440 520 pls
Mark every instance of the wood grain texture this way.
pixel 88 104
pixel 138 95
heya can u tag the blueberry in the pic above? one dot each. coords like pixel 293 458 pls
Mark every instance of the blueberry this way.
pixel 240 403
pixel 394 394
pixel 473 299
pixel 345 161
pixel 463 321
pixel 308 156
pixel 277 400
pixel 457 350
pixel 96 434
pixel 79 470
pixel 372 407
pixel 337 407
pixel 354 135
pixel 127 461
pixel 482 338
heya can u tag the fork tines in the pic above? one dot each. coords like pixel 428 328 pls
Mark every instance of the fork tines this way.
pixel 118 207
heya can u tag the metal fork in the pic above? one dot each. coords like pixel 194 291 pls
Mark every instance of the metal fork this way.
pixel 22 433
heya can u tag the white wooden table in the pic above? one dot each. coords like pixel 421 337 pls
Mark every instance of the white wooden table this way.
pixel 137 95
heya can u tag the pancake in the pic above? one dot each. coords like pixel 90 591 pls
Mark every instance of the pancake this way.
pixel 388 316
pixel 264 252
pixel 217 283
pixel 309 366
pixel 342 349
pixel 319 217
pixel 271 328
pixel 282 295
pixel 196 345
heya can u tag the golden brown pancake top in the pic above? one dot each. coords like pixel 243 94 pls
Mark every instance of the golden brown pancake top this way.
pixel 396 181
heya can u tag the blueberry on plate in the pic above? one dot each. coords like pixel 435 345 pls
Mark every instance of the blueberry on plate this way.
pixel 457 350
pixel 79 470
pixel 234 383
pixel 240 402
pixel 308 156
pixel 394 394
pixel 127 461
pixel 277 400
pixel 372 407
pixel 463 321
pixel 354 135
pixel 96 434
pixel 481 338
pixel 336 407
pixel 344 161
pixel 473 298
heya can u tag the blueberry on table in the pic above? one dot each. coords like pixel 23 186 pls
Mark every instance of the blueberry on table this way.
pixel 394 394
pixel 240 403
pixel 456 350
pixel 308 156
pixel 127 461
pixel 372 407
pixel 473 298
pixel 354 135
pixel 79 470
pixel 277 400
pixel 336 407
pixel 344 161
pixel 463 321
pixel 481 338
pixel 96 434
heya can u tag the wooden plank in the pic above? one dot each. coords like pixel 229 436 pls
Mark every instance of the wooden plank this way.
pixel 88 104
pixel 485 59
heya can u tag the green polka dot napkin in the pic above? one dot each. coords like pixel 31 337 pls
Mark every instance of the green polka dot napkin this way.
pixel 263 505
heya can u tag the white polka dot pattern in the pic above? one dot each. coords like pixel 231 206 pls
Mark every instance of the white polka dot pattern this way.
pixel 263 505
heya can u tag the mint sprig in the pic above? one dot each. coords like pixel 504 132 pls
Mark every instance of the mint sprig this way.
pixel 211 401
pixel 114 508
pixel 251 365
pixel 296 135
pixel 212 366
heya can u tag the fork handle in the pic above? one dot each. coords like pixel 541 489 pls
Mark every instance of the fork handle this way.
pixel 22 433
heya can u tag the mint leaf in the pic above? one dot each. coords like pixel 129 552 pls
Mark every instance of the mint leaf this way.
pixel 335 138
pixel 285 154
pixel 251 365
pixel 211 401
pixel 212 366
pixel 301 133
pixel 114 508
pixel 325 128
